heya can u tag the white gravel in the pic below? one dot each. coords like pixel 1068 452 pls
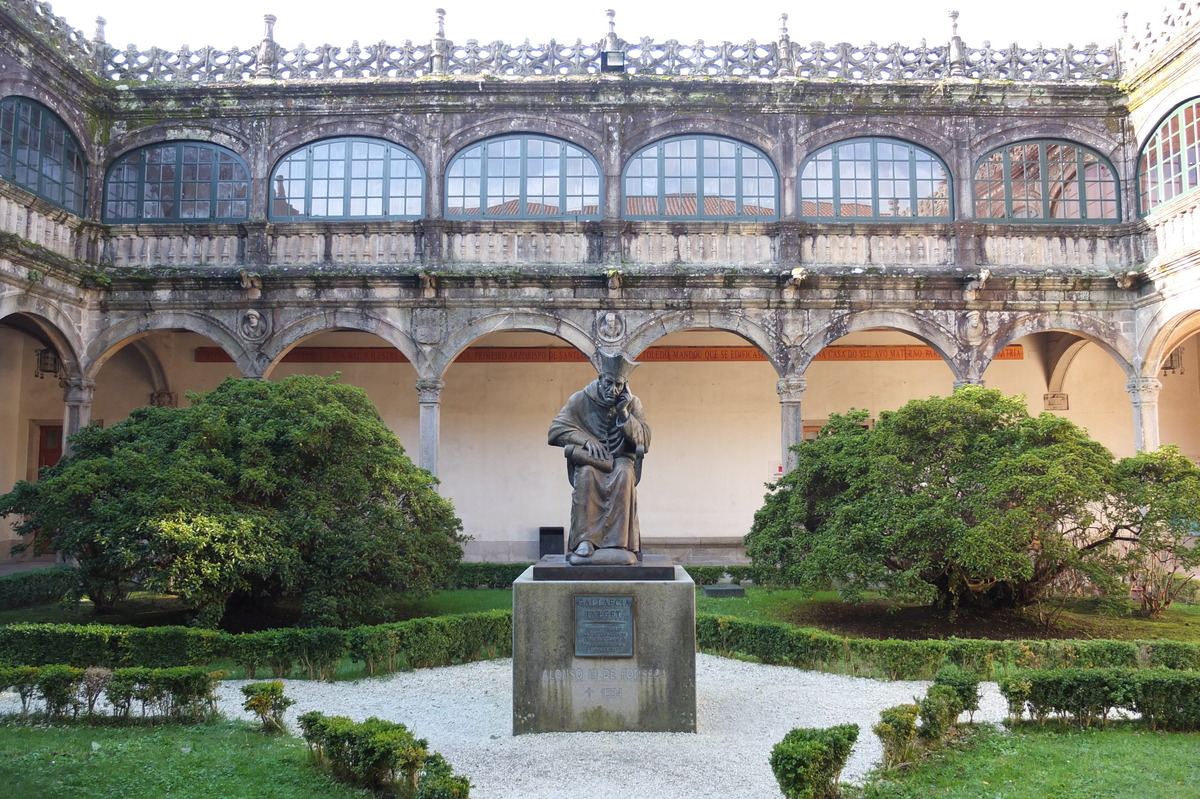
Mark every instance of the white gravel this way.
pixel 743 710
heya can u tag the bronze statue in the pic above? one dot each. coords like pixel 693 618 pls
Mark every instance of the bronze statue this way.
pixel 604 435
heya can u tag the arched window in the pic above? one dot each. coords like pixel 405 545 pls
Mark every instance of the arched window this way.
pixel 39 153
pixel 348 178
pixel 700 177
pixel 524 176
pixel 1046 181
pixel 1170 162
pixel 179 181
pixel 874 179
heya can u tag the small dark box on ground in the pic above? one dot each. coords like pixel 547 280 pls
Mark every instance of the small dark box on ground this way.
pixel 551 541
pixel 723 589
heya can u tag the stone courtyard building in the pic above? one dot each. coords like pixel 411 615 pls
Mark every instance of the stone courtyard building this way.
pixel 778 231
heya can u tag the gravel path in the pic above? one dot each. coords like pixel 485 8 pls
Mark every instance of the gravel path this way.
pixel 743 710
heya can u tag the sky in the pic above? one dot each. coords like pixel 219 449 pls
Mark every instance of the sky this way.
pixel 226 23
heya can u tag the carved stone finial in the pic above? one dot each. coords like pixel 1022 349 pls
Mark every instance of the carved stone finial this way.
pixel 99 36
pixel 441 22
pixel 1124 24
pixel 612 41
pixel 954 24
pixel 266 49
pixel 783 28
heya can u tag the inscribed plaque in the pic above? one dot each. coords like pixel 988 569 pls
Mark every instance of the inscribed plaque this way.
pixel 603 626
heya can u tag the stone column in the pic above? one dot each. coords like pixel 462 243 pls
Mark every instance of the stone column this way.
pixel 969 381
pixel 1143 393
pixel 78 394
pixel 791 391
pixel 429 391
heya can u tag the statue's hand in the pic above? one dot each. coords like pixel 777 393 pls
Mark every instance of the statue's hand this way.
pixel 595 450
pixel 622 408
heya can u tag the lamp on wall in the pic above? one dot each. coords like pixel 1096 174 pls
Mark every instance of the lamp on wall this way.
pixel 1173 365
pixel 46 362
pixel 612 61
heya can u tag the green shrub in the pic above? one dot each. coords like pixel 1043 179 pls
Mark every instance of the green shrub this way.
pixel 163 647
pixel 36 587
pixel 1016 691
pixel 380 755
pixel 58 687
pixel 1166 699
pixel 319 649
pixel 487 575
pixel 438 780
pixel 267 700
pixel 23 680
pixel 964 683
pixel 808 762
pixel 188 692
pixel 1170 654
pixel 377 646
pixel 1086 696
pixel 939 712
pixel 68 644
pixel 897 729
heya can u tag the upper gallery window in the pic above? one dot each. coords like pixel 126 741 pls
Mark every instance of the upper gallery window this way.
pixel 39 153
pixel 700 177
pixel 523 176
pixel 180 181
pixel 1170 162
pixel 874 179
pixel 1048 181
pixel 348 178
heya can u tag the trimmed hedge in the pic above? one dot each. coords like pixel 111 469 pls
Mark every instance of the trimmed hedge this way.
pixel 381 755
pixel 441 640
pixel 502 575
pixel 773 642
pixel 487 575
pixel 710 575
pixel 808 762
pixel 1165 698
pixel 182 693
pixel 36 587
pixel 316 651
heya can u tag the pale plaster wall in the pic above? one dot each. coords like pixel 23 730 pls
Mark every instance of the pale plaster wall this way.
pixel 1179 403
pixel 122 384
pixel 12 448
pixel 716 425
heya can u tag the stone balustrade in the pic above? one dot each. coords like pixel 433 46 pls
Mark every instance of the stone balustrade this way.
pixel 50 230
pixel 773 58
pixel 148 245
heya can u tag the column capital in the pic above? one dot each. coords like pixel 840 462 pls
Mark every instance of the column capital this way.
pixel 1144 389
pixel 429 389
pixel 969 381
pixel 78 390
pixel 791 389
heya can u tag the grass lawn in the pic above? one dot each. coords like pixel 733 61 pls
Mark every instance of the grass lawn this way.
pixel 1058 762
pixel 225 759
pixel 883 618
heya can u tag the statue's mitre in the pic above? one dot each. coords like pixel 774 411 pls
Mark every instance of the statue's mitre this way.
pixel 616 364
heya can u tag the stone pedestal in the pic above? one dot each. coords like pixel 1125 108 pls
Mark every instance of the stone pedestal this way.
pixel 604 655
